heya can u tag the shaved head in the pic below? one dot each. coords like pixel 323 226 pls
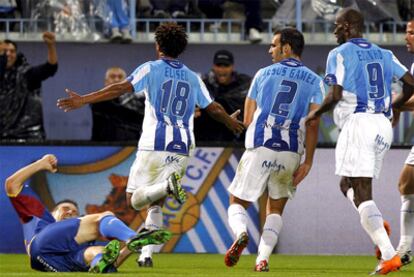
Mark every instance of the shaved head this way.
pixel 353 17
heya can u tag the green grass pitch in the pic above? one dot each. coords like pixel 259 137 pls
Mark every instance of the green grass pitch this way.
pixel 212 265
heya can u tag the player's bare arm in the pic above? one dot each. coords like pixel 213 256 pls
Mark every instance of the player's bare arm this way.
pixel 405 100
pixel 330 101
pixel 76 101
pixel 15 182
pixel 217 112
pixel 311 141
pixel 250 107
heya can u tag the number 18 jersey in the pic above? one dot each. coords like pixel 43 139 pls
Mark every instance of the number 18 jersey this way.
pixel 172 91
pixel 365 72
pixel 283 92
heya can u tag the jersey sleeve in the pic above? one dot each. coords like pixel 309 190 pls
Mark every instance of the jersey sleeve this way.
pixel 335 69
pixel 27 205
pixel 398 68
pixel 203 98
pixel 139 78
pixel 252 93
pixel 318 92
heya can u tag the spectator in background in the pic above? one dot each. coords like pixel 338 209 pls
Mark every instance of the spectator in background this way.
pixel 252 9
pixel 175 9
pixel 119 119
pixel 120 21
pixel 227 87
pixel 7 10
pixel 20 100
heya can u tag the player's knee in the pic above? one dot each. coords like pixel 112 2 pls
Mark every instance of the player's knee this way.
pixel 138 200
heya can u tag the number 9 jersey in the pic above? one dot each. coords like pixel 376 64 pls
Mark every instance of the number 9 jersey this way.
pixel 365 72
pixel 172 91
pixel 283 92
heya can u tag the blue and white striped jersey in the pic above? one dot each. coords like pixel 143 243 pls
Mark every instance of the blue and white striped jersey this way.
pixel 172 91
pixel 283 92
pixel 365 72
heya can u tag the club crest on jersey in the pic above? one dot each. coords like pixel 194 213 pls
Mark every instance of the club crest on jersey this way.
pixel 330 80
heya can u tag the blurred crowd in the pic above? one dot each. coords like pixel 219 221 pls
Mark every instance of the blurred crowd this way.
pixel 94 19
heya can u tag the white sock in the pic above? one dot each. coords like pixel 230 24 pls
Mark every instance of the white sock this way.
pixel 373 224
pixel 407 223
pixel 268 240
pixel 237 219
pixel 147 195
pixel 152 222
pixel 350 196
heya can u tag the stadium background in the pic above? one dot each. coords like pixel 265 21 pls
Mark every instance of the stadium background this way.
pixel 318 221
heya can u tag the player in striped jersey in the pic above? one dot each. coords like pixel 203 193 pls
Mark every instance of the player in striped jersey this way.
pixel 360 74
pixel 172 91
pixel 406 181
pixel 280 97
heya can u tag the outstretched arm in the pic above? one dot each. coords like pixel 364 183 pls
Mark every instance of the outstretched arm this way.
pixel 14 183
pixel 76 101
pixel 217 112
pixel 311 140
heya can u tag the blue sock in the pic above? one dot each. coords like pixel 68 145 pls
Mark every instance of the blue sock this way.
pixel 112 227
pixel 96 259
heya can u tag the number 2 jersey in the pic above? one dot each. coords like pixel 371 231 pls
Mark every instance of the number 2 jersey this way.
pixel 365 72
pixel 283 92
pixel 172 91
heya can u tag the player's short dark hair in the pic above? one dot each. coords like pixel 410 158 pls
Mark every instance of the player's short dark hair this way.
pixel 292 37
pixel 8 41
pixel 66 201
pixel 171 39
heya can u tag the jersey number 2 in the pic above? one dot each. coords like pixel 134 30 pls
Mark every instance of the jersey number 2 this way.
pixel 175 99
pixel 284 98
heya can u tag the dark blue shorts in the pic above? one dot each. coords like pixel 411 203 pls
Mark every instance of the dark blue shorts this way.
pixel 54 248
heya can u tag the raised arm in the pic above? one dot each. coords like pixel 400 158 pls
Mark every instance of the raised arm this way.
pixel 217 112
pixel 14 183
pixel 50 40
pixel 76 101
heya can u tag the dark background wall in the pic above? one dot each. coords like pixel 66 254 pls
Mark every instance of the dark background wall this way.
pixel 82 67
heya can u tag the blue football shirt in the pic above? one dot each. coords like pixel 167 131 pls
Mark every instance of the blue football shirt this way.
pixel 172 91
pixel 365 72
pixel 283 92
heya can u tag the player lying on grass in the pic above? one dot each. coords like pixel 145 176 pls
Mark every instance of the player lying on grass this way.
pixel 62 241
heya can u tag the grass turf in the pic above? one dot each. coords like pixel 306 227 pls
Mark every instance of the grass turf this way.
pixel 213 265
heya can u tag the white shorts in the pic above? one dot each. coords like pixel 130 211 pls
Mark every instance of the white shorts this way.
pixel 152 167
pixel 410 158
pixel 262 168
pixel 362 144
